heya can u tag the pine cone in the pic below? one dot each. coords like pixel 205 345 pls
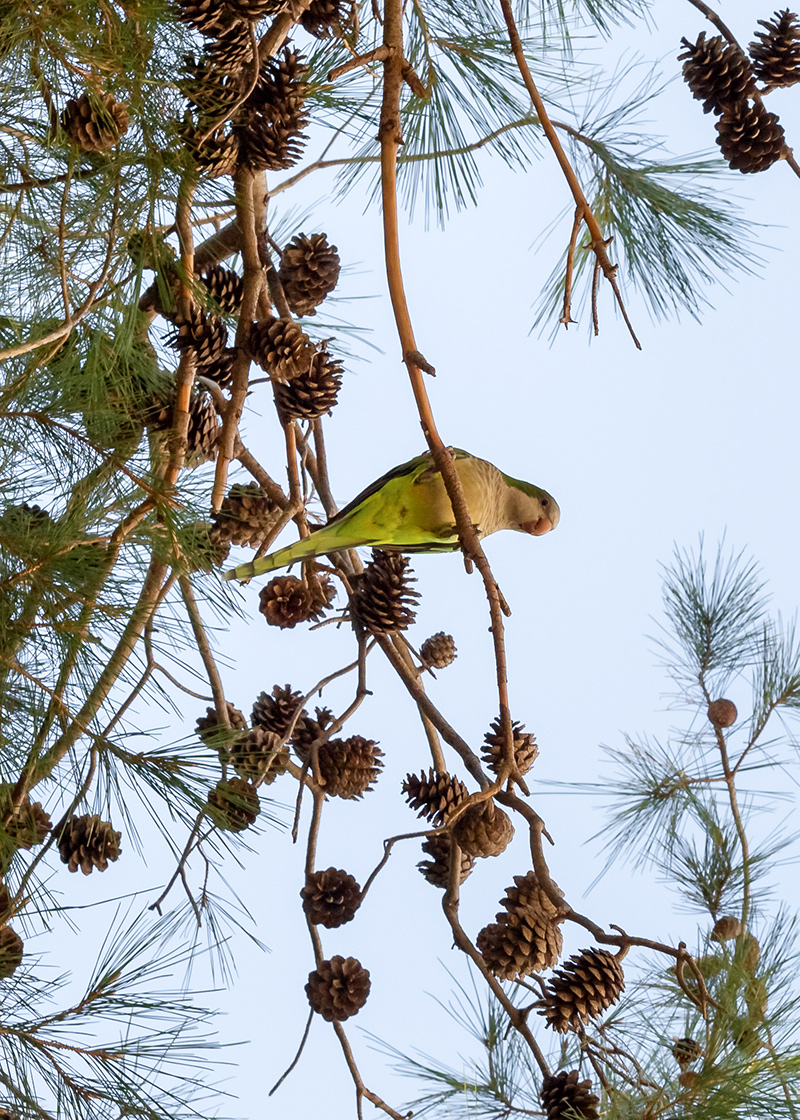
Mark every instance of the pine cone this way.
pixel 206 335
pixel 717 73
pixel 686 1051
pixel 224 286
pixel 26 824
pixel 330 898
pixel 203 430
pixel 525 748
pixel 722 713
pixel 88 842
pixel 214 155
pixel 586 986
pixel 281 348
pixel 232 49
pixel 309 271
pixel 214 734
pixel 435 796
pixel 726 928
pixel 246 515
pixel 209 17
pixel 563 1096
pixel 285 601
pixel 321 16
pixel 211 91
pixel 307 731
pixel 383 599
pixel 233 805
pixel 776 59
pixel 437 869
pixel 254 10
pixel 5 905
pixel 338 988
pixel 438 651
pixel 483 830
pixel 95 122
pixel 349 767
pixel 10 952
pixel 260 756
pixel 312 393
pixel 750 138
pixel 274 712
pixel 525 939
pixel 271 134
pixel 201 551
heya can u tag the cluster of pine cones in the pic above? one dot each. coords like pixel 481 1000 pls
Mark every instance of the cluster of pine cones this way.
pixel 724 78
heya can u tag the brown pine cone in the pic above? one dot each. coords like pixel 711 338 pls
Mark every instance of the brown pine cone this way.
pixel 349 767
pixel 209 17
pixel 776 58
pixel 686 1051
pixel 5 905
pixel 224 286
pixel 214 155
pixel 726 928
pixel 201 549
pixel 722 713
pixel 271 135
pixel 88 842
pixel 438 651
pixel 483 830
pixel 246 515
pixel 582 989
pixel 10 952
pixel 435 797
pixel 214 734
pixel 95 122
pixel 281 348
pixel 260 756
pixel 308 731
pixel 233 805
pixel 254 10
pixel 204 334
pixel 26 824
pixel 564 1096
pixel 285 601
pixel 525 748
pixel 750 138
pixel 525 939
pixel 437 869
pixel 717 73
pixel 203 430
pixel 383 599
pixel 232 48
pixel 330 898
pixel 338 988
pixel 210 91
pixel 322 16
pixel 309 270
pixel 275 711
pixel 313 393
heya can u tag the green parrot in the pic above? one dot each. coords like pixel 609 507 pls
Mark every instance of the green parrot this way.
pixel 408 510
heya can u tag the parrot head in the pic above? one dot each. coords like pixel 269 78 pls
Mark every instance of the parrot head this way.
pixel 531 509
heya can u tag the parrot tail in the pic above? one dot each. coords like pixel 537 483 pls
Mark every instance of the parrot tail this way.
pixel 300 550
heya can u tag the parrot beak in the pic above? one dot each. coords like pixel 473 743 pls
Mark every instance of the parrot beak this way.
pixel 538 527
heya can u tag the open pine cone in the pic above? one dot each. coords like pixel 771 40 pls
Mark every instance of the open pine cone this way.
pixel 330 898
pixel 526 938
pixel 88 842
pixel 582 989
pixel 338 988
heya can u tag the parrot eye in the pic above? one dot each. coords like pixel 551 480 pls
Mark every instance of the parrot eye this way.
pixel 545 502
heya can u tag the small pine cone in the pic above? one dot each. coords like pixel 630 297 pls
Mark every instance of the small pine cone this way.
pixel 483 830
pixel 213 733
pixel 435 796
pixel 349 767
pixel 212 92
pixel 233 805
pixel 224 286
pixel 726 928
pixel 525 748
pixel 308 731
pixel 203 430
pixel 312 393
pixel 209 17
pixel 686 1051
pixel 214 155
pixel 10 952
pixel 271 134
pixel 438 651
pixel 232 48
pixel 722 713
pixel 254 10
pixel 309 271
pixel 285 601
pixel 246 515
pixel 750 138
pixel 383 599
pixel 282 86
pixel 206 335
pixel 563 1095
pixel 281 348
pixel 525 939
pixel 275 711
pixel 330 898
pixel 26 824
pixel 260 756
pixel 717 73
pixel 5 905
pixel 338 988
pixel 437 869
pixel 776 59
pixel 321 16
pixel 88 842
pixel 586 986
pixel 95 122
